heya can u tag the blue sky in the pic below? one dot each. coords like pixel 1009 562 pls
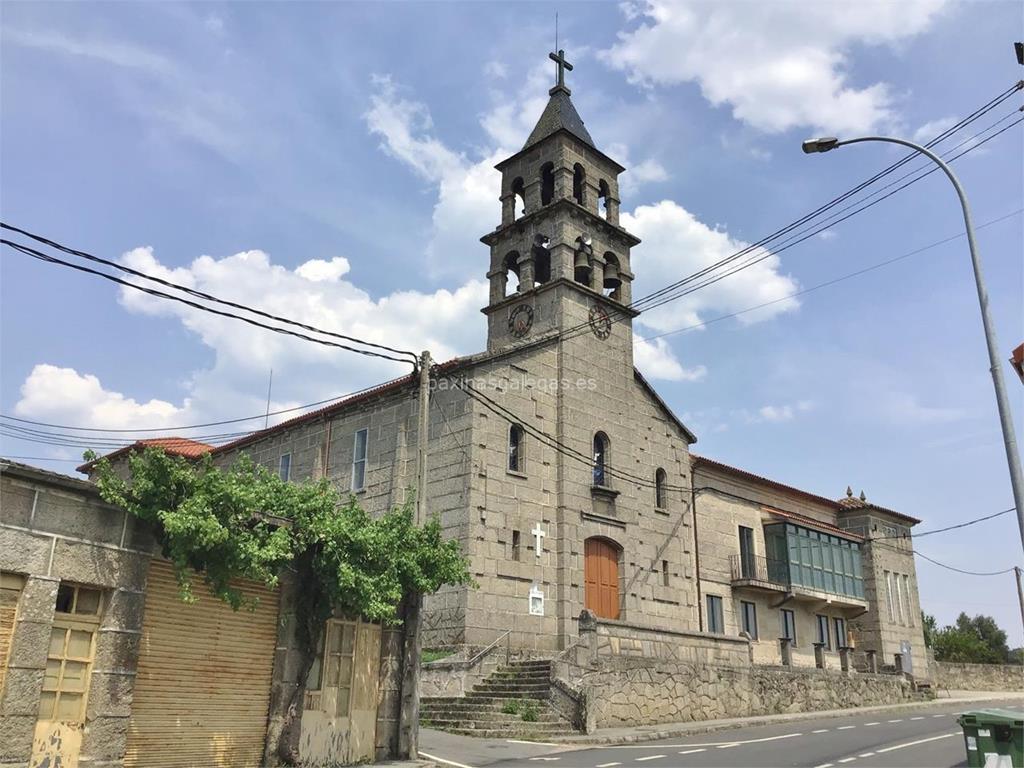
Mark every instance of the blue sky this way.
pixel 332 162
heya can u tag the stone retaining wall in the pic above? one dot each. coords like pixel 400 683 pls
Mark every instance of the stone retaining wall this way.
pixel 620 638
pixel 651 693
pixel 978 677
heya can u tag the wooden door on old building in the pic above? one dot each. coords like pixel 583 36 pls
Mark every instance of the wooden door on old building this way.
pixel 202 690
pixel 339 721
pixel 601 577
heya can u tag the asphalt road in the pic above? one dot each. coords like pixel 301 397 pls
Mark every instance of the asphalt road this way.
pixel 910 738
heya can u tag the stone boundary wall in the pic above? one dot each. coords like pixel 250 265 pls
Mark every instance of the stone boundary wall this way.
pixel 646 693
pixel 978 677
pixel 609 639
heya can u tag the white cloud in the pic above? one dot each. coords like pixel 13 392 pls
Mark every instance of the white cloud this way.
pixel 776 65
pixel 318 270
pixel 779 413
pixel 656 360
pixel 675 244
pixel 933 128
pixel 827 234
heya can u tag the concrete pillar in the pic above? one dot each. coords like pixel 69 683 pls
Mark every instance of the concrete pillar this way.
pixel 899 663
pixel 844 659
pixel 526 279
pixel 872 662
pixel 588 636
pixel 819 655
pixel 508 209
pixel 786 648
pixel 612 206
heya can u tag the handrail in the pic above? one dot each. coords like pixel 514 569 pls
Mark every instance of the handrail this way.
pixel 487 650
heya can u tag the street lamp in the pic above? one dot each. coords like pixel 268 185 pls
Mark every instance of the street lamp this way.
pixel 827 144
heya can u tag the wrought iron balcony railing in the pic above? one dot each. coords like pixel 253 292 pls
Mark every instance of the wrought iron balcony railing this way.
pixel 748 567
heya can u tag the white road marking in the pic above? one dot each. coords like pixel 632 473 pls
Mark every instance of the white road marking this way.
pixel 708 744
pixel 726 746
pixel 919 741
pixel 607 765
pixel 847 759
pixel 938 715
pixel 649 757
pixel 442 760
pixel 686 752
pixel 894 721
pixel 866 754
pixel 824 765
pixel 545 759
pixel 821 730
pixel 867 724
pixel 917 718
pixel 845 727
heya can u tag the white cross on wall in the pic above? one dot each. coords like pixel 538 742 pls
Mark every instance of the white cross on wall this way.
pixel 538 537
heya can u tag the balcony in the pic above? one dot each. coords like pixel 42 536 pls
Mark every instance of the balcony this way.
pixel 759 572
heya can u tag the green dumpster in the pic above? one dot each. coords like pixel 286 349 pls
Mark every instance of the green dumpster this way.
pixel 994 738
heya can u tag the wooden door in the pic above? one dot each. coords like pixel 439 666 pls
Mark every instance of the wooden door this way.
pixel 601 577
pixel 202 691
pixel 10 591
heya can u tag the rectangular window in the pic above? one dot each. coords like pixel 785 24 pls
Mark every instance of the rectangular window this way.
pixel 664 573
pixel 716 621
pixel 515 545
pixel 841 639
pixel 284 467
pixel 746 552
pixel 899 597
pixel 788 622
pixel 359 460
pixel 888 596
pixel 749 615
pixel 906 596
pixel 823 632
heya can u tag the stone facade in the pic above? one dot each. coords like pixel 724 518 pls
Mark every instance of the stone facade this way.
pixel 978 677
pixel 56 531
pixel 646 694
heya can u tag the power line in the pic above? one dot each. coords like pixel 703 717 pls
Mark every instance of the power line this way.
pixel 944 565
pixel 833 281
pixel 200 294
pixel 948 528
pixel 54 260
pixel 662 296
pixel 39 458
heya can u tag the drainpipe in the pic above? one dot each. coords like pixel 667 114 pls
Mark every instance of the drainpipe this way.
pixel 696 554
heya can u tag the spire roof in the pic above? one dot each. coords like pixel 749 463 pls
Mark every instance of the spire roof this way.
pixel 559 114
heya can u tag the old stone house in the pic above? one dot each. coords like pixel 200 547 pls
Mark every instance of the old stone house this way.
pixel 570 482
pixel 102 664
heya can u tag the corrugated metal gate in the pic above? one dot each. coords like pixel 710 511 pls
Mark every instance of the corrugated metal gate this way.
pixel 202 691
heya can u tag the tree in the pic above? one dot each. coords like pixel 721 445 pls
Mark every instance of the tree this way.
pixel 244 522
pixel 977 640
pixel 929 627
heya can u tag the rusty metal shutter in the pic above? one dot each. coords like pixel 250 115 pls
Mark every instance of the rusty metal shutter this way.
pixel 10 591
pixel 202 691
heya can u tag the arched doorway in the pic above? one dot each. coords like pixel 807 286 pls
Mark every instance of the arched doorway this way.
pixel 601 577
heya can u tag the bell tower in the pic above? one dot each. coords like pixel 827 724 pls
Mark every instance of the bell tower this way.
pixel 559 258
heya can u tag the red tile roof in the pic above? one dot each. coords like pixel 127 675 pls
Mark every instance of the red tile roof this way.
pixel 810 522
pixel 176 446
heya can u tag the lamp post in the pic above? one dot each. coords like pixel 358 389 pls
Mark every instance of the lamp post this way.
pixel 826 144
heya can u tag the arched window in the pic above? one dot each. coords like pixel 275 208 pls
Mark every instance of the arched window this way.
pixel 511 268
pixel 612 278
pixel 541 260
pixel 659 488
pixel 519 193
pixel 600 459
pixel 547 183
pixel 515 448
pixel 603 193
pixel 579 184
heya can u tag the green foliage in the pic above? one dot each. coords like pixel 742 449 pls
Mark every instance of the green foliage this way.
pixel 245 522
pixel 929 627
pixel 977 640
pixel 528 711
pixel 428 655
pixel 511 707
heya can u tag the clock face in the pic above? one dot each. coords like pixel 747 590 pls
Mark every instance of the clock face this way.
pixel 520 320
pixel 600 323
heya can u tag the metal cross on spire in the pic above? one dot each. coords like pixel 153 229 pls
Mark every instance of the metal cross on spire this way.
pixel 563 65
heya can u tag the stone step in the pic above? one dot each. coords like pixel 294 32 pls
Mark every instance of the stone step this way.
pixel 490 725
pixel 490 720
pixel 510 688
pixel 506 672
pixel 525 735
pixel 537 664
pixel 505 695
pixel 467 705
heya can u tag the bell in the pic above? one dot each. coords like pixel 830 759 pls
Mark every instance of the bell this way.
pixel 582 267
pixel 611 276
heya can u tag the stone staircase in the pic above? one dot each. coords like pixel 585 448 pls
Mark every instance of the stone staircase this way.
pixel 484 711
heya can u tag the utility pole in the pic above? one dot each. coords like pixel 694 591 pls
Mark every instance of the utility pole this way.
pixel 1020 599
pixel 409 714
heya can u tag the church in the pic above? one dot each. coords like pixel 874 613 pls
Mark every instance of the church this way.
pixel 570 482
